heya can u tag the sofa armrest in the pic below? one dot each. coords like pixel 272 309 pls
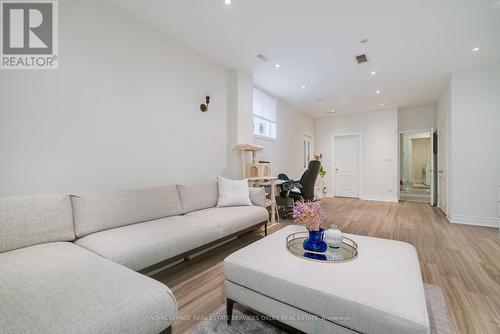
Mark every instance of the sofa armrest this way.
pixel 258 196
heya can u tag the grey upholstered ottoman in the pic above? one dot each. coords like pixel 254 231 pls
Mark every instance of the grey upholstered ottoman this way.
pixel 379 292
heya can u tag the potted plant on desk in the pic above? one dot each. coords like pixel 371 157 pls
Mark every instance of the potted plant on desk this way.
pixel 322 174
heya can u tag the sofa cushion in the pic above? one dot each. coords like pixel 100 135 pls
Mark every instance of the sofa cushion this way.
pixel 233 192
pixel 198 196
pixel 258 196
pixel 139 246
pixel 63 288
pixel 232 219
pixel 99 211
pixel 31 220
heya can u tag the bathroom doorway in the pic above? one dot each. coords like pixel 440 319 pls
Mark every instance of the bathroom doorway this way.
pixel 416 156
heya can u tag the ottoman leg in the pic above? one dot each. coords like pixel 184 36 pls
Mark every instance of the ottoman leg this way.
pixel 229 309
pixel 167 331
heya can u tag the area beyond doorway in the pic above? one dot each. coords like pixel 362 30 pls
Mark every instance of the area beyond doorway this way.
pixel 415 166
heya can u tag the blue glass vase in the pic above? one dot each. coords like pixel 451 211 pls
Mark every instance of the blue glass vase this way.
pixel 321 257
pixel 315 241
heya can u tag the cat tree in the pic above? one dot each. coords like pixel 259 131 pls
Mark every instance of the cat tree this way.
pixel 253 169
pixel 258 173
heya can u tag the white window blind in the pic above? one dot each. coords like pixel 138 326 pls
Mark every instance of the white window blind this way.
pixel 264 114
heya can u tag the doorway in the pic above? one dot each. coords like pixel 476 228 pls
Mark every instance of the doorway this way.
pixel 308 147
pixel 416 164
pixel 346 162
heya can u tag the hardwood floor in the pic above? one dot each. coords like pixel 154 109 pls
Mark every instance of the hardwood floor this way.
pixel 463 260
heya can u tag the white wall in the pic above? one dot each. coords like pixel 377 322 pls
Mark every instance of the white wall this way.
pixel 475 153
pixel 286 152
pixel 378 149
pixel 121 111
pixel 239 120
pixel 416 118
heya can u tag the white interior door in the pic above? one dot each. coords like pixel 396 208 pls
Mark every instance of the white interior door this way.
pixel 346 166
pixel 441 167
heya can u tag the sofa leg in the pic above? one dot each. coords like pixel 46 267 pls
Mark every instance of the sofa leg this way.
pixel 265 229
pixel 229 310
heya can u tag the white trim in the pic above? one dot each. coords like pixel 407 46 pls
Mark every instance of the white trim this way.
pixel 358 134
pixel 311 149
pixel 414 131
pixel 264 138
pixel 441 126
pixel 264 119
pixel 379 198
pixel 476 221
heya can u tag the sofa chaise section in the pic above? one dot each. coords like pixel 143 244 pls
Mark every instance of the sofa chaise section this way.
pixel 50 285
pixel 63 288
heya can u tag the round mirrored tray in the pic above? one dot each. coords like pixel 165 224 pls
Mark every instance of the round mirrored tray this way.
pixel 348 251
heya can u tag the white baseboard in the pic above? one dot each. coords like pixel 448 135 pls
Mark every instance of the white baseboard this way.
pixel 379 198
pixel 392 199
pixel 476 221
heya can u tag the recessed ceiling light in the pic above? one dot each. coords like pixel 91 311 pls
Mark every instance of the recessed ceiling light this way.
pixel 227 2
pixel 377 91
pixel 381 104
pixel 475 50
pixel 373 73
pixel 304 87
pixel 277 65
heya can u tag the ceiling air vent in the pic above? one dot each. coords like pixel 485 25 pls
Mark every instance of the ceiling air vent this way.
pixel 361 59
pixel 262 57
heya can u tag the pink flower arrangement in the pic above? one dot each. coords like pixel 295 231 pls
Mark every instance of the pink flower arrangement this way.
pixel 308 214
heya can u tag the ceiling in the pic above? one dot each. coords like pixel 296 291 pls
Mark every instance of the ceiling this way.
pixel 412 45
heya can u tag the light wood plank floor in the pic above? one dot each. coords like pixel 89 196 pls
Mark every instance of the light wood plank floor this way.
pixel 463 260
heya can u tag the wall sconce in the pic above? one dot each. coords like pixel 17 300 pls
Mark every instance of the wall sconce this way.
pixel 204 107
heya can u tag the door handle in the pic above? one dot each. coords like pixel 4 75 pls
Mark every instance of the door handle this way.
pixel 440 171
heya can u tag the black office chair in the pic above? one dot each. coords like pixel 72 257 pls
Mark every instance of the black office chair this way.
pixel 303 189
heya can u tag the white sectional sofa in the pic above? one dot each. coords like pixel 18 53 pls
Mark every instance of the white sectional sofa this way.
pixel 68 263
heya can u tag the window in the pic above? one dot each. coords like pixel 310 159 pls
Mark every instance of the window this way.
pixel 264 115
